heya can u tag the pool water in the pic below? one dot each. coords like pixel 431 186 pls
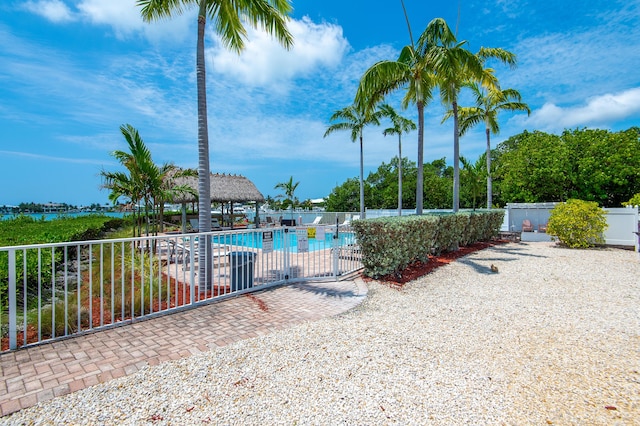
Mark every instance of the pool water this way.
pixel 254 240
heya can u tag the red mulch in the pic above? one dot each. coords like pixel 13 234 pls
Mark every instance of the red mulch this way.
pixel 419 269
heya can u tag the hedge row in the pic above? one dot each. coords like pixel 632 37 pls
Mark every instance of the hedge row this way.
pixel 389 244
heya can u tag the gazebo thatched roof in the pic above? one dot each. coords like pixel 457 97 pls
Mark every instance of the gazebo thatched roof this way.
pixel 224 188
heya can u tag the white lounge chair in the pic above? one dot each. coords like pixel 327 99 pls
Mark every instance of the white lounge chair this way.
pixel 348 219
pixel 317 220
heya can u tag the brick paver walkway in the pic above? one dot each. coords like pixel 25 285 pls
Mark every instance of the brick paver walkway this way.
pixel 43 372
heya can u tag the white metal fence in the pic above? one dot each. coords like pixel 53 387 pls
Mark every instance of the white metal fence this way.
pixel 57 290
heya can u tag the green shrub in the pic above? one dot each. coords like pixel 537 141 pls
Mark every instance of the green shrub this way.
pixel 390 244
pixel 577 223
pixel 634 201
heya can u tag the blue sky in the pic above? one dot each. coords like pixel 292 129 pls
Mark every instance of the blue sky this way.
pixel 73 71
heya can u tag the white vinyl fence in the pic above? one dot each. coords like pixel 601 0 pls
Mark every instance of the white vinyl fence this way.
pixel 621 230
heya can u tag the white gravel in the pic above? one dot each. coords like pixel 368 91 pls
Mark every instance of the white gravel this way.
pixel 552 338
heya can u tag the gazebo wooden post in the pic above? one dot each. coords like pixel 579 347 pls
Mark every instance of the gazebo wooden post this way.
pixel 256 219
pixel 184 218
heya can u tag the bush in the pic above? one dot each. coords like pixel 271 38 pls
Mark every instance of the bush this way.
pixel 577 223
pixel 389 244
pixel 634 201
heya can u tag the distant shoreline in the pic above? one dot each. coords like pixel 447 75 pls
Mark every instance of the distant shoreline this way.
pixel 51 216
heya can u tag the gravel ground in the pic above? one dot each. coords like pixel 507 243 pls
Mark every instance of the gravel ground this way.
pixel 552 338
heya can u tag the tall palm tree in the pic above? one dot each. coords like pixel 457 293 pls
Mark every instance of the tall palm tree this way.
pixel 412 72
pixel 355 120
pixel 400 125
pixel 453 66
pixel 229 18
pixel 289 189
pixel 488 103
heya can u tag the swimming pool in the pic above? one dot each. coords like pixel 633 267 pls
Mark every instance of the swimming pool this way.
pixel 282 239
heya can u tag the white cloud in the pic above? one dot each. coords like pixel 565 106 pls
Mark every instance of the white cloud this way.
pixel 123 16
pixel 265 62
pixel 51 158
pixel 125 19
pixel 53 10
pixel 120 14
pixel 599 110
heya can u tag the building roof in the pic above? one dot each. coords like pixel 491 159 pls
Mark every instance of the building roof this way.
pixel 224 188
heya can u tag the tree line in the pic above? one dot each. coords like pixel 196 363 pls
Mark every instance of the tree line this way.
pixel 438 61
pixel 587 164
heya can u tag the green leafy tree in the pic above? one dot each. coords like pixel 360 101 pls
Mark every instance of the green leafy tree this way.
pixel 536 170
pixel 605 166
pixel 399 125
pixel 344 197
pixel 588 164
pixel 229 18
pixel 488 103
pixel 438 179
pixel 289 188
pixel 355 119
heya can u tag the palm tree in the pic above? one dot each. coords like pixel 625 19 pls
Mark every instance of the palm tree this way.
pixel 400 125
pixel 289 189
pixel 411 71
pixel 355 119
pixel 488 103
pixel 473 174
pixel 145 179
pixel 454 66
pixel 229 18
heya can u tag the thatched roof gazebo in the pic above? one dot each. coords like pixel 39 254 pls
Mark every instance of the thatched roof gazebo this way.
pixel 224 189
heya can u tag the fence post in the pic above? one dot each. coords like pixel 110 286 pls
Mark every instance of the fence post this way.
pixel 336 249
pixel 13 329
pixel 192 272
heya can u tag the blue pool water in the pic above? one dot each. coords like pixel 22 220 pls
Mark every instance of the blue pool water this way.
pixel 254 240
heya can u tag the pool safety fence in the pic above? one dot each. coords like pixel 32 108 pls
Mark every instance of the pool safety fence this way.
pixel 53 291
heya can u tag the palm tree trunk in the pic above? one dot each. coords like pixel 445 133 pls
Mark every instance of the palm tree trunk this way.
pixel 204 189
pixel 399 174
pixel 489 183
pixel 420 178
pixel 362 216
pixel 456 158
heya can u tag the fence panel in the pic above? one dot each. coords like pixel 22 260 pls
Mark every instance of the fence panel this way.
pixel 50 291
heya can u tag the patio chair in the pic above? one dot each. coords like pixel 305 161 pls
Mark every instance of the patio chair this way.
pixel 542 228
pixel 317 220
pixel 195 225
pixel 179 253
pixel 527 226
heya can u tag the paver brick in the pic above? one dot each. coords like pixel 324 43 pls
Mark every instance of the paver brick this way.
pixel 43 372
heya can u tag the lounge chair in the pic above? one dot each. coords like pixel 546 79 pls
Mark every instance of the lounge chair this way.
pixel 527 226
pixel 347 221
pixel 317 220
pixel 195 225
